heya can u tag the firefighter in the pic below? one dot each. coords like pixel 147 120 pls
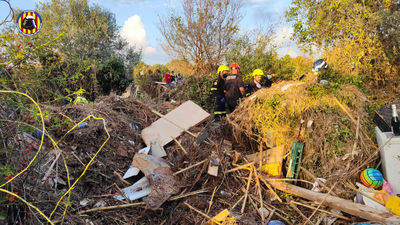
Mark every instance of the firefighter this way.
pixel 234 87
pixel 256 83
pixel 217 90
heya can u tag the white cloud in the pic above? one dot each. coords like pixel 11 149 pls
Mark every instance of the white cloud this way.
pixel 158 56
pixel 135 33
pixel 293 52
pixel 283 35
pixel 149 50
pixel 286 46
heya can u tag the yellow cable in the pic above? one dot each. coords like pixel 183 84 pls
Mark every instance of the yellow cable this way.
pixel 29 204
pixel 87 165
pixel 56 146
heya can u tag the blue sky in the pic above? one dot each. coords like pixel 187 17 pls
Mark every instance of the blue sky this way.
pixel 138 21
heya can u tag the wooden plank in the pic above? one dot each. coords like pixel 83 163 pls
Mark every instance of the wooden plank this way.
pixel 271 160
pixel 344 205
pixel 185 116
pixel 272 155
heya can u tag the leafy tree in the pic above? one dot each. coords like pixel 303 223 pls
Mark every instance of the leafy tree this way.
pixel 180 66
pixel 203 33
pixel 111 76
pixel 76 40
pixel 253 50
pixel 91 32
pixel 363 33
pixel 285 68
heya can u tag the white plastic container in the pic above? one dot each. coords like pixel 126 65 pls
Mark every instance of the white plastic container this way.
pixel 390 156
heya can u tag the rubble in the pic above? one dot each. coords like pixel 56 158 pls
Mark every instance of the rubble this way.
pixel 162 181
pixel 214 172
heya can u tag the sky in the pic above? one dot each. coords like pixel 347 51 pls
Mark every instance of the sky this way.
pixel 138 21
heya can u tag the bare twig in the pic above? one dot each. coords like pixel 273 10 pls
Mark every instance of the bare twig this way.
pixel 121 193
pixel 259 192
pixel 321 210
pixel 47 174
pixel 247 191
pixel 211 201
pixel 237 203
pixel 271 214
pixel 300 213
pixel 180 146
pixel 260 212
pixel 317 180
pixel 190 167
pixel 10 13
pixel 73 153
pixel 188 194
pixel 201 213
pixel 323 200
pixel 242 167
pixel 270 188
pixel 277 212
pixel 111 207
pixel 120 178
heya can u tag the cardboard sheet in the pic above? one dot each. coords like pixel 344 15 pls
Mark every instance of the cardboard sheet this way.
pixel 186 116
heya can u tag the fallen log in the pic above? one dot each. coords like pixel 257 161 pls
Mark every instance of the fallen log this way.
pixel 347 206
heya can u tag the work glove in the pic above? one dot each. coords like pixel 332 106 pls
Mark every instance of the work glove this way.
pixel 222 100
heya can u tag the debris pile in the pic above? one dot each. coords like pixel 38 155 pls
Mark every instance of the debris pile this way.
pixel 169 164
pixel 331 121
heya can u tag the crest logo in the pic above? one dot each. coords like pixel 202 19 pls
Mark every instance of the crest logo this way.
pixel 29 22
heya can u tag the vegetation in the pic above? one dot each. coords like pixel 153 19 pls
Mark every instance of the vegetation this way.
pixel 78 52
pixel 202 33
pixel 359 37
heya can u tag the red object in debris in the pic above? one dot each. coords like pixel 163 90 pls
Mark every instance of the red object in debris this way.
pixel 9 176
pixel 19 46
pixel 10 66
pixel 12 197
pixel 168 78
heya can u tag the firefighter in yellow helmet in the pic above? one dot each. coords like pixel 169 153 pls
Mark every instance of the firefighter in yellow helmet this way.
pixel 256 83
pixel 217 90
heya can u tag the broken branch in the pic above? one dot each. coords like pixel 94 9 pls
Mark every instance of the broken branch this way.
pixel 111 207
pixel 270 188
pixel 242 167
pixel 344 205
pixel 190 167
pixel 201 213
pixel 321 210
pixel 180 146
pixel 247 191
pixel 187 194
pixel 317 180
pixel 300 213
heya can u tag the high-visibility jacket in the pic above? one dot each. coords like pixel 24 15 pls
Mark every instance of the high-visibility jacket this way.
pixel 217 89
